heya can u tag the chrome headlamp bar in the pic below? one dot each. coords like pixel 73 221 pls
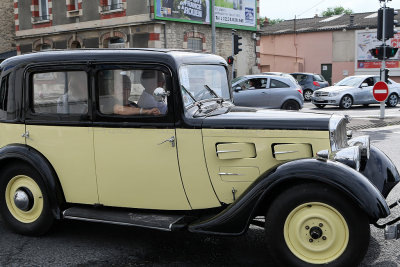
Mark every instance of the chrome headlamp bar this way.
pixel 364 143
pixel 338 132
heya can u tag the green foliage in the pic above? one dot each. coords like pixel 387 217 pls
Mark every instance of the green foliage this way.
pixel 223 3
pixel 270 21
pixel 330 11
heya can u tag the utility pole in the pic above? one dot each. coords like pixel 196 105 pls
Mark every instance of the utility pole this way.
pixel 213 27
pixel 383 66
pixel 233 52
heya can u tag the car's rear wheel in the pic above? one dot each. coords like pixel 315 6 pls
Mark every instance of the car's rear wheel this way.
pixel 320 105
pixel 313 225
pixel 291 105
pixel 346 102
pixel 24 204
pixel 392 100
pixel 307 94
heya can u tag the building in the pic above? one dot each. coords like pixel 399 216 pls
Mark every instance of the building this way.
pixel 7 30
pixel 70 24
pixel 335 47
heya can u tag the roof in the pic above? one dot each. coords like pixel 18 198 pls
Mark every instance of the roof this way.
pixel 171 57
pixel 337 22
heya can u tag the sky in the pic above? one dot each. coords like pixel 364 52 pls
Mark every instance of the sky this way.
pixel 288 9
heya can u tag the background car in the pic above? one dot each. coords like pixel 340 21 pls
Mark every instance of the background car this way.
pixel 354 90
pixel 268 91
pixel 310 82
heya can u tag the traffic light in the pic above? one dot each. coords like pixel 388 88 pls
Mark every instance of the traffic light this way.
pixel 229 60
pixel 390 23
pixel 377 52
pixel 236 44
pixel 386 75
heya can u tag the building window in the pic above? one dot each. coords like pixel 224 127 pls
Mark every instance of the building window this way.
pixel 42 47
pixel 195 44
pixel 116 42
pixel 44 10
pixel 112 5
pixel 75 44
pixel 75 4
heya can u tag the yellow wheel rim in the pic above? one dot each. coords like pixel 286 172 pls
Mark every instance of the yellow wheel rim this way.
pixel 36 207
pixel 316 233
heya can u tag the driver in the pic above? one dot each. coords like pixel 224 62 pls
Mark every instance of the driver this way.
pixel 151 80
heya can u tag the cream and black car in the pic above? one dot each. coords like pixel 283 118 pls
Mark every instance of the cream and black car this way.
pixel 150 138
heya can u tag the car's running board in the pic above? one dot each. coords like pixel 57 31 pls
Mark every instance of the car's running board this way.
pixel 124 217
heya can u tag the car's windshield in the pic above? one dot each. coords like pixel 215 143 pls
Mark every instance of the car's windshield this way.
pixel 350 81
pixel 202 81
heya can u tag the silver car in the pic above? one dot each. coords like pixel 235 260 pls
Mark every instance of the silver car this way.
pixel 354 90
pixel 267 91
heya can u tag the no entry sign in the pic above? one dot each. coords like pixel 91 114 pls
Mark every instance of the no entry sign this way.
pixel 380 91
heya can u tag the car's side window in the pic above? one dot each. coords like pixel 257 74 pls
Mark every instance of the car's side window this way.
pixel 277 84
pixel 136 92
pixel 63 92
pixel 3 96
pixel 369 81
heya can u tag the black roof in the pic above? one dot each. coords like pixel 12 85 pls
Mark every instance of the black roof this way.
pixel 338 22
pixel 171 57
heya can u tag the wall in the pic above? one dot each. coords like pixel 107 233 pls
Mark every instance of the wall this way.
pixel 7 28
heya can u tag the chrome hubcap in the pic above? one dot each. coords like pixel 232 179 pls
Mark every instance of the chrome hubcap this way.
pixel 347 102
pixel 23 199
pixel 393 100
pixel 307 95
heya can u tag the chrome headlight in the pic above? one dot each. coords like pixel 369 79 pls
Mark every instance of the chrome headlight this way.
pixel 364 143
pixel 351 156
pixel 333 94
pixel 338 132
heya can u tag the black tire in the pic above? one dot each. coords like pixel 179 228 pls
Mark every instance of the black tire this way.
pixel 307 202
pixel 35 218
pixel 392 100
pixel 346 102
pixel 307 93
pixel 291 105
pixel 320 105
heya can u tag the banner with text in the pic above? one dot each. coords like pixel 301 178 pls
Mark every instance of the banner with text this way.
pixel 366 40
pixel 239 14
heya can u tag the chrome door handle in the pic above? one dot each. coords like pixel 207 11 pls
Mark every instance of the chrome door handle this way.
pixel 171 140
pixel 25 135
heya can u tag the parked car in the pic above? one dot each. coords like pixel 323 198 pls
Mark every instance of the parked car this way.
pixel 282 74
pixel 267 91
pixel 310 82
pixel 354 90
pixel 151 138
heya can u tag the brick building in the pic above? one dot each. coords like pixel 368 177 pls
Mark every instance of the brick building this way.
pixel 69 24
pixel 7 32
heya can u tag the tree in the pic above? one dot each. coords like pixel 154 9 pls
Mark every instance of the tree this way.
pixel 330 11
pixel 267 21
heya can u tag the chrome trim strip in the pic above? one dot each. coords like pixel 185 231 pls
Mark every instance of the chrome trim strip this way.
pixel 111 222
pixel 284 152
pixel 229 173
pixel 227 151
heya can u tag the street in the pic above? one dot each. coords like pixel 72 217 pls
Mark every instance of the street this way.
pixel 95 244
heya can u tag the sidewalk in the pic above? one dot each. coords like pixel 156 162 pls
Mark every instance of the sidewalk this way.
pixel 373 122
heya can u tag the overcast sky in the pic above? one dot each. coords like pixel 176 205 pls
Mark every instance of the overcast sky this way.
pixel 287 9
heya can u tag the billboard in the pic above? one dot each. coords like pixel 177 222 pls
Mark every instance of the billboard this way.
pixel 238 14
pixel 366 40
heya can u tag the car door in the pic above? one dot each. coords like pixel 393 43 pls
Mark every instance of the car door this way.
pixel 58 126
pixel 253 93
pixel 135 147
pixel 364 95
pixel 278 91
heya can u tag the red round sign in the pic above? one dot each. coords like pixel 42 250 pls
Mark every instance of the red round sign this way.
pixel 380 91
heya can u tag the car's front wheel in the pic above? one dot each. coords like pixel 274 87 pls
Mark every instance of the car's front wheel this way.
pixel 291 105
pixel 313 225
pixel 24 204
pixel 307 94
pixel 392 100
pixel 346 102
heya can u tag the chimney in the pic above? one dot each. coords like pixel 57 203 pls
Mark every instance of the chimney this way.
pixel 351 20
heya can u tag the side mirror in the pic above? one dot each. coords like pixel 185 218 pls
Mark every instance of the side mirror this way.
pixel 237 89
pixel 364 85
pixel 160 94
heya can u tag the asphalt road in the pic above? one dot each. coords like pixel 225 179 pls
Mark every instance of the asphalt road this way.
pixel 73 243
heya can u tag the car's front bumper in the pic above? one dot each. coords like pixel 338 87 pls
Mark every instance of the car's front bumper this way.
pixel 325 100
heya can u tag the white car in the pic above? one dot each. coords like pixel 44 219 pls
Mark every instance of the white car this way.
pixel 354 90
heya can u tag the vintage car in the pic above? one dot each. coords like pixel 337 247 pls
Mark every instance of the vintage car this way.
pixel 150 138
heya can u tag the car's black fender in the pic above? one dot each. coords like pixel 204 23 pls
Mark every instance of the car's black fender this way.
pixel 36 160
pixel 381 171
pixel 235 219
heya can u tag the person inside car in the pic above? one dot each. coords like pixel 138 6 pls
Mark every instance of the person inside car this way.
pixel 151 80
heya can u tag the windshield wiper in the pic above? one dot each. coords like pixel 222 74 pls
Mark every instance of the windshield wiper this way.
pixel 189 94
pixel 211 91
